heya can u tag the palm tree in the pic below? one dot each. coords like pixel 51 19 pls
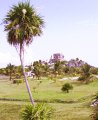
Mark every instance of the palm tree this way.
pixel 22 24
pixel 59 67
pixel 38 69
pixel 10 69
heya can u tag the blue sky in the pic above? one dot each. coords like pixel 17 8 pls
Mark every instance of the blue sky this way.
pixel 71 28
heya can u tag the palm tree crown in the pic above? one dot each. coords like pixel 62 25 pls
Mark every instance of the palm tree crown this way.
pixel 22 24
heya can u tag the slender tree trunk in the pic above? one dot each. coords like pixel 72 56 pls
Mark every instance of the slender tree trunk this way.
pixel 10 75
pixel 25 78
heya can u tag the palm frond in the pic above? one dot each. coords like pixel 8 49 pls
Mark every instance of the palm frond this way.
pixel 23 27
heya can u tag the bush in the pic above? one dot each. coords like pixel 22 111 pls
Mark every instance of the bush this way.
pixel 93 70
pixel 17 81
pixel 38 112
pixel 81 78
pixel 66 87
pixel 96 96
pixel 85 78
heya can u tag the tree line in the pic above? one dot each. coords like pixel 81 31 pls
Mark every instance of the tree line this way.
pixel 43 69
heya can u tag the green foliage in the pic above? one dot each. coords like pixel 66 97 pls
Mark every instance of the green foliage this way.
pixel 41 69
pixel 37 68
pixel 17 81
pixel 40 111
pixel 17 75
pixel 81 78
pixel 85 79
pixel 96 96
pixel 22 23
pixel 85 70
pixel 66 87
pixel 14 72
pixel 59 67
pixel 10 70
pixel 85 74
pixel 66 69
pixel 93 70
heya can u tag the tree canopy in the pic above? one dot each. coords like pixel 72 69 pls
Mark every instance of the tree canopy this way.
pixel 22 24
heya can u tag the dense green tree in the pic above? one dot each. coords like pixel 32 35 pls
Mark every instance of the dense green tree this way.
pixel 22 24
pixel 2 71
pixel 66 69
pixel 93 70
pixel 37 69
pixel 59 67
pixel 85 70
pixel 46 69
pixel 85 73
pixel 10 69
pixel 66 87
pixel 18 72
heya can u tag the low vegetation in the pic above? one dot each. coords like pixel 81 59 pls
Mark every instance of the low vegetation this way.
pixel 40 111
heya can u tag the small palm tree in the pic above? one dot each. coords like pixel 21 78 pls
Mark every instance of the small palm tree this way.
pixel 22 24
pixel 39 112
pixel 10 70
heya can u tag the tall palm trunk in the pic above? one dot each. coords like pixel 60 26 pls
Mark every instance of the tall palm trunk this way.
pixel 25 78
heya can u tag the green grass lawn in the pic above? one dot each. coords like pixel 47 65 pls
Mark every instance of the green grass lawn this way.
pixel 63 111
pixel 74 105
pixel 48 90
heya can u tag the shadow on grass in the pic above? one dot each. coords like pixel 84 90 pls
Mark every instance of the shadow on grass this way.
pixel 45 101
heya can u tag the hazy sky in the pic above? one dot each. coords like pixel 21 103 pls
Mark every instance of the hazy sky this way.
pixel 71 28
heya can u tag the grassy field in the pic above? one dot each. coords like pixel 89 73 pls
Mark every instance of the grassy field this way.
pixel 63 111
pixel 74 105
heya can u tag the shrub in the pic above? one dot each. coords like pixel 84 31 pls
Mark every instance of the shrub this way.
pixel 85 78
pixel 18 75
pixel 66 87
pixel 81 78
pixel 93 70
pixel 38 112
pixel 17 81
pixel 96 96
